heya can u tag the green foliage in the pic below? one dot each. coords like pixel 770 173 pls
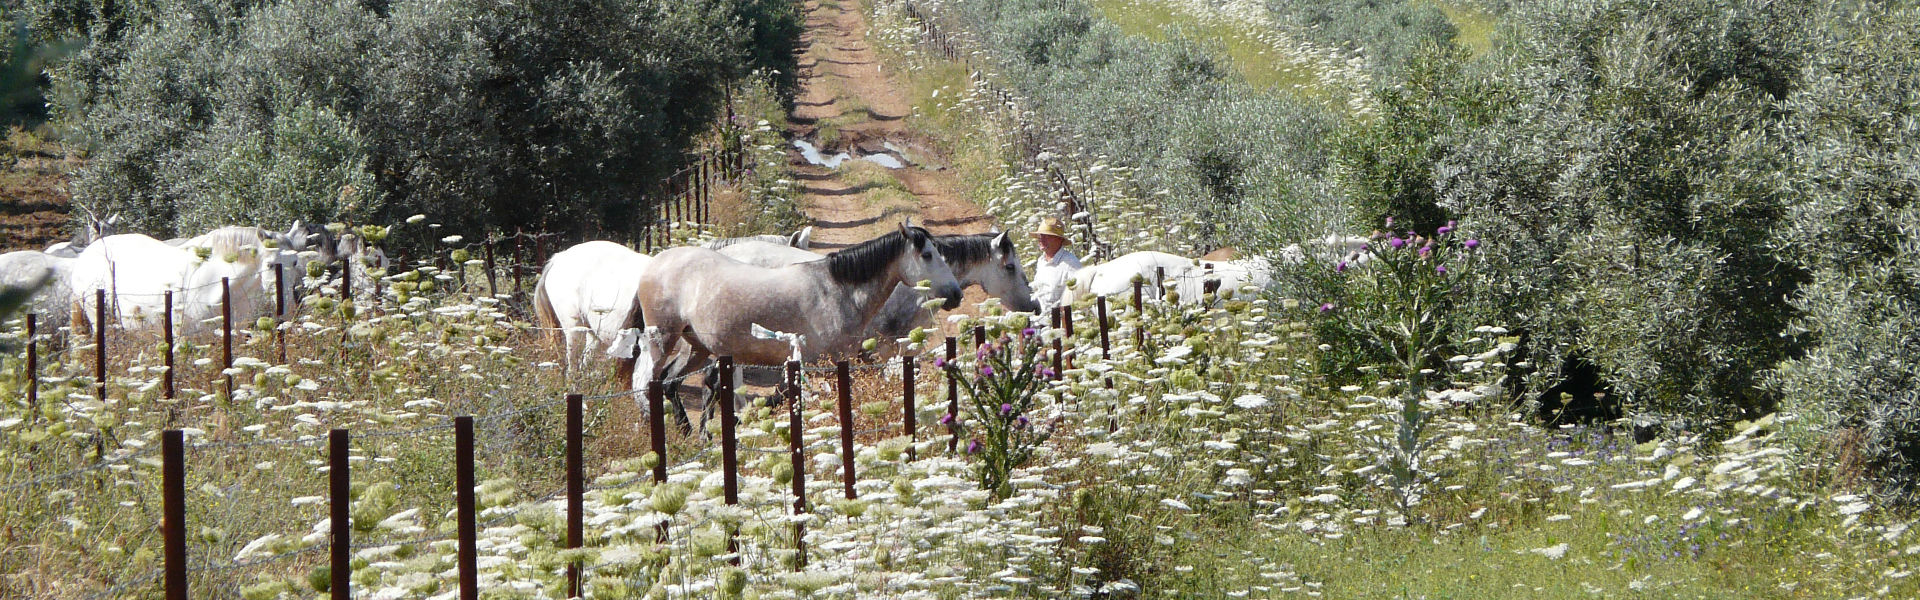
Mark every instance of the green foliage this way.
pixel 1388 32
pixel 557 111
pixel 1384 165
pixel 308 161
pixel 1631 182
pixel 1201 140
pixel 1854 224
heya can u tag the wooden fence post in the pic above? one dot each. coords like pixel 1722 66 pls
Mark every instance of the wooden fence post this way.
pixel 280 309
pixel 100 342
pixel 657 427
pixel 953 397
pixel 493 290
pixel 167 327
pixel 576 487
pixel 729 445
pixel 33 364
pixel 469 558
pixel 226 332
pixel 515 264
pixel 346 279
pixel 844 373
pixel 340 488
pixel 979 336
pixel 173 491
pixel 539 251
pixel 799 457
pixel 907 364
pixel 1058 364
pixel 1106 350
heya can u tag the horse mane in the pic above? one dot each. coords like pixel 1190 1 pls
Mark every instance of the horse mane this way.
pixel 964 251
pixel 862 263
pixel 717 244
pixel 235 240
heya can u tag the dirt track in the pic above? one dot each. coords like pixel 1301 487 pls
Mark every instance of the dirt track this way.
pixel 848 101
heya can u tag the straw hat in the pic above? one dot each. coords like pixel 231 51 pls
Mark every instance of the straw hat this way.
pixel 1051 226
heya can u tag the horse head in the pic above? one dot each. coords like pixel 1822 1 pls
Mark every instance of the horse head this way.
pixel 923 262
pixel 993 263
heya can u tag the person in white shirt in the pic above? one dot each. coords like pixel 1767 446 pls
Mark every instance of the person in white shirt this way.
pixel 1054 267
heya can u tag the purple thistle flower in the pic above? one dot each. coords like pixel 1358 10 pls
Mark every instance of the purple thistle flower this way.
pixel 1442 269
pixel 1424 250
pixel 1006 409
pixel 1444 229
pixel 946 419
pixel 973 446
pixel 940 363
pixel 986 370
pixel 1340 268
pixel 1389 221
pixel 1397 243
pixel 1020 423
pixel 1026 333
pixel 1328 307
pixel 1471 244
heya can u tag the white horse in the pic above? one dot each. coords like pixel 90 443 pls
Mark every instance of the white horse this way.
pixel 1190 277
pixel 590 292
pixel 1331 249
pixel 802 239
pixel 50 272
pixel 710 303
pixel 291 251
pixel 137 271
pixel 1115 277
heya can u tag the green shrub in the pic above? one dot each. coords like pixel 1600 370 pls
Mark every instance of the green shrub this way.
pixel 1853 223
pixel 1388 32
pixel 1634 173
pixel 557 111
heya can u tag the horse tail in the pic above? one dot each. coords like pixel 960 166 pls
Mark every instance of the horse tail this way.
pixel 543 308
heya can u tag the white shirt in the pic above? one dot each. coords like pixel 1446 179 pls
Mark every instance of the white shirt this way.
pixel 1050 276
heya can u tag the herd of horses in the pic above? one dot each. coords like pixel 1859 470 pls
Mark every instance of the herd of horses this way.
pixel 250 268
pixel 769 299
pixel 762 300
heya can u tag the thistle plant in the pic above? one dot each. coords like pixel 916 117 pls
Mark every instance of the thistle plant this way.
pixel 1001 385
pixel 1399 302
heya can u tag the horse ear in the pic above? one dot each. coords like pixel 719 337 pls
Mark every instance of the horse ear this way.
pixel 1003 244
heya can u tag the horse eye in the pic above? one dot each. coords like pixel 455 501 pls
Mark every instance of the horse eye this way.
pixel 1011 267
pixel 926 254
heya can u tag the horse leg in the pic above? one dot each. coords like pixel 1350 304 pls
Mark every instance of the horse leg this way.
pixel 711 394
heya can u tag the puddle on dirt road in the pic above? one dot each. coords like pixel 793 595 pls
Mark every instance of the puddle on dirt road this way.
pixel 812 154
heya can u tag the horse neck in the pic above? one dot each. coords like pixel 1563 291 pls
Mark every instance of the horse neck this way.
pixel 863 300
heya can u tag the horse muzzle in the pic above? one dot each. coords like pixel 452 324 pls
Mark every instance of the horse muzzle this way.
pixel 952 294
